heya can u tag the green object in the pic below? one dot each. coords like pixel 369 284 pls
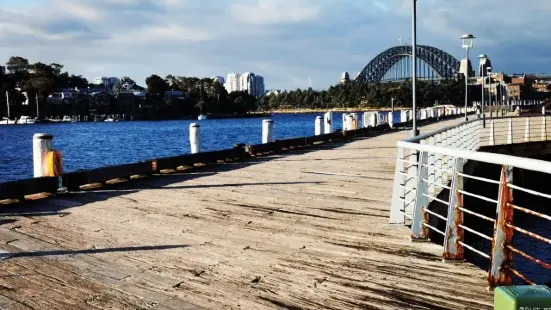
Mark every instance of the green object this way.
pixel 522 297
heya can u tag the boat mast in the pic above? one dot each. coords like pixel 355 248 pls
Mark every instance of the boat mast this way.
pixel 36 100
pixel 8 103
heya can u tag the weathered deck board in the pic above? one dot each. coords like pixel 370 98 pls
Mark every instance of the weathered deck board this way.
pixel 301 231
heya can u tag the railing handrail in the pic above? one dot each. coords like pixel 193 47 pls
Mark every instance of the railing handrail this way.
pixel 486 157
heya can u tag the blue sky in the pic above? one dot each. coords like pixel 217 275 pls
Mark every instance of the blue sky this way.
pixel 286 41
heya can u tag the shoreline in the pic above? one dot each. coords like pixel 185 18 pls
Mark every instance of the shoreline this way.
pixel 346 110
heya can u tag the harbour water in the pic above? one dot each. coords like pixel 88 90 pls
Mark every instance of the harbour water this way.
pixel 89 145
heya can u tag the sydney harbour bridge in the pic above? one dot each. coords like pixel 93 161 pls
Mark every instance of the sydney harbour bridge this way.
pixel 394 64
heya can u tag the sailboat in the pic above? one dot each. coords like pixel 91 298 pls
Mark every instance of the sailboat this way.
pixel 7 120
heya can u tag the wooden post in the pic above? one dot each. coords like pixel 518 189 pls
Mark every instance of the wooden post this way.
pixel 328 122
pixel 42 144
pixel 267 131
pixel 318 126
pixel 194 138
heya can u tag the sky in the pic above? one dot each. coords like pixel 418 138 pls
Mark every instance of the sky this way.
pixel 286 41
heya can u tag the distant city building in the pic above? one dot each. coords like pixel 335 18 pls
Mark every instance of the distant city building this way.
pixel 2 70
pixel 246 82
pixel 107 82
pixel 232 82
pixel 466 68
pixel 483 66
pixel 259 86
pixel 345 78
pixel 218 79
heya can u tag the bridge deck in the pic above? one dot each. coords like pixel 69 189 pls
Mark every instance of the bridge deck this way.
pixel 303 231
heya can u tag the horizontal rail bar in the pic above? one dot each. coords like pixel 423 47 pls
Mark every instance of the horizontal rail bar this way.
pixel 475 232
pixel 485 157
pixel 529 257
pixel 529 191
pixel 531 234
pixel 474 250
pixel 477 196
pixel 547 217
pixel 520 275
pixel 436 199
pixel 435 229
pixel 435 214
pixel 439 169
pixel 407 161
pixel 489 219
pixel 406 215
pixel 437 184
pixel 478 178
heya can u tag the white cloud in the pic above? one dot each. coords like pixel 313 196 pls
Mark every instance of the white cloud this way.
pixel 267 12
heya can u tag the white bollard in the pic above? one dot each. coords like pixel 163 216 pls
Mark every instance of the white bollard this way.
pixel 365 119
pixel 527 130
pixel 542 110
pixel 390 119
pixel 349 121
pixel 492 134
pixel 423 114
pixel 344 121
pixel 42 144
pixel 328 122
pixel 194 138
pixel 403 117
pixel 319 126
pixel 374 119
pixel 510 132
pixel 267 131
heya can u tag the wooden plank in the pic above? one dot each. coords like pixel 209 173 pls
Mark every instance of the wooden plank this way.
pixel 19 189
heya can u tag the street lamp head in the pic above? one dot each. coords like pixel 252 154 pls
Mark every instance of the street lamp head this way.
pixel 467 40
pixel 482 56
pixel 489 69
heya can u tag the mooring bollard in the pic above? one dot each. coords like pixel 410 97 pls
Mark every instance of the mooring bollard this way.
pixel 42 144
pixel 267 131
pixel 374 119
pixel 328 122
pixel 510 132
pixel 318 126
pixel 390 119
pixel 365 119
pixel 527 130
pixel 344 122
pixel 194 138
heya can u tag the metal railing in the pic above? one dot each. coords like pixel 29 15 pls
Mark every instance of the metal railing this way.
pixel 432 170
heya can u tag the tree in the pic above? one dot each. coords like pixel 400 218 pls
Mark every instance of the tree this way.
pixel 17 64
pixel 156 84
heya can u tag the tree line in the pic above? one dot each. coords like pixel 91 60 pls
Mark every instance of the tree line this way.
pixel 34 82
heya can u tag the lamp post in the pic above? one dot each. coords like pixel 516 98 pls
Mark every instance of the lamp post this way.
pixel 488 71
pixel 467 40
pixel 482 58
pixel 414 131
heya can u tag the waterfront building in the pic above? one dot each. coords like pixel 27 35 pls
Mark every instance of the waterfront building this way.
pixel 232 82
pixel 107 82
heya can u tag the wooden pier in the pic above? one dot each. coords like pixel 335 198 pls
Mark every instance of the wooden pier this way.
pixel 305 230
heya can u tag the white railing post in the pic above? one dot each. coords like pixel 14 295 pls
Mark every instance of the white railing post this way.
pixel 418 231
pixel 527 130
pixel 439 160
pixel 453 250
pixel 318 130
pixel 398 192
pixel 510 132
pixel 543 128
pixel 42 144
pixel 328 122
pixel 431 172
pixel 195 138
pixel 501 256
pixel 492 134
pixel 267 131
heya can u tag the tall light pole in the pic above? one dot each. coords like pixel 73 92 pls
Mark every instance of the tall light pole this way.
pixel 483 58
pixel 488 71
pixel 467 40
pixel 414 131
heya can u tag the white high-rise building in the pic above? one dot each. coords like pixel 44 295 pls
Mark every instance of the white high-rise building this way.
pixel 232 82
pixel 259 85
pixel 246 82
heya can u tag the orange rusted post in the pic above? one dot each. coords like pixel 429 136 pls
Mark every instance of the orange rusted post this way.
pixel 502 256
pixel 453 250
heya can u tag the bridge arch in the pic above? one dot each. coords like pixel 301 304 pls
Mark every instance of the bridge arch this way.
pixel 444 64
